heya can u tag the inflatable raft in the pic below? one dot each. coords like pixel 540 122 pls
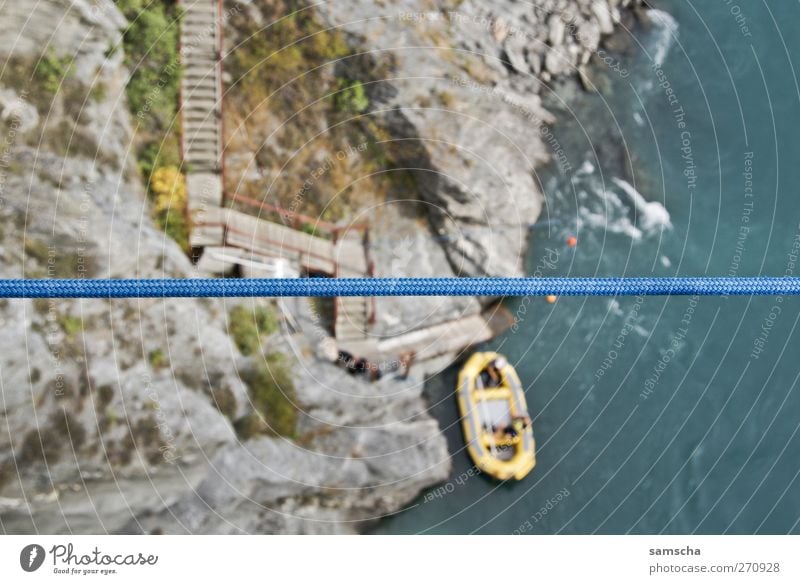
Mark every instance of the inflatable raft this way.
pixel 488 405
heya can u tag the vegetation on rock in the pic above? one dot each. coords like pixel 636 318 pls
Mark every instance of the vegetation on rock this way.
pixel 247 325
pixel 168 192
pixel 297 113
pixel 273 398
pixel 151 54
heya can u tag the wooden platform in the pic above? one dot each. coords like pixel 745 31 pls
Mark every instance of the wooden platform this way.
pixel 448 337
pixel 262 248
pixel 307 252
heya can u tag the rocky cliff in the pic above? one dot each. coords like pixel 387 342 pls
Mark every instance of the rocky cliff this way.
pixel 120 415
pixel 450 92
pixel 125 416
pixel 463 92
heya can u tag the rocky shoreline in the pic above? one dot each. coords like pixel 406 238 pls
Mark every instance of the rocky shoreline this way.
pixel 133 384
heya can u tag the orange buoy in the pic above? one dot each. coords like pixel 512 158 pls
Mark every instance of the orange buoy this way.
pixel 572 241
pixel 551 298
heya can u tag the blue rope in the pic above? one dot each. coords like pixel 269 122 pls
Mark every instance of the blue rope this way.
pixel 235 287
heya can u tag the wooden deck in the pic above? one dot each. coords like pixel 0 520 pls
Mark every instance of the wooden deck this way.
pixel 262 248
pixel 447 337
pixel 306 252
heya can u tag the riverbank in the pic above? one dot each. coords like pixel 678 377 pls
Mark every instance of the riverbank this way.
pixel 656 415
pixel 155 394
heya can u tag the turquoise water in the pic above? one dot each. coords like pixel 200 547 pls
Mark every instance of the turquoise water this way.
pixel 658 415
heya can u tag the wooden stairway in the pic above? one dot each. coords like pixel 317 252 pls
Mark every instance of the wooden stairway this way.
pixel 352 312
pixel 201 113
pixel 234 237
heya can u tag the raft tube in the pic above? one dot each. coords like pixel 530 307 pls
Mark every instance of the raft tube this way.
pixel 482 408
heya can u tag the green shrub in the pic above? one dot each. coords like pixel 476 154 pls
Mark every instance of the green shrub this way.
pixel 273 397
pixel 270 59
pixel 68 140
pixel 243 329
pixel 285 72
pixel 246 325
pixel 250 426
pixel 351 98
pixel 151 52
pixel 39 78
pixel 71 325
pixel 51 71
pixel 58 262
pixel 265 320
pixel 157 358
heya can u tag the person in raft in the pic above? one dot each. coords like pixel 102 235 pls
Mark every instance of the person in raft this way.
pixel 492 375
pixel 517 426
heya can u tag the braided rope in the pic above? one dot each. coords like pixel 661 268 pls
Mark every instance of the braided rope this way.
pixel 215 287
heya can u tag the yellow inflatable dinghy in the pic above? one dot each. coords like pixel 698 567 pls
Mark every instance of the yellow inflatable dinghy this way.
pixel 487 406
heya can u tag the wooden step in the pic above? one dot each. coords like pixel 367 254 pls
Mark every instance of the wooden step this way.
pixel 199 163
pixel 199 129
pixel 201 106
pixel 200 54
pixel 204 57
pixel 195 134
pixel 202 148
pixel 349 333
pixel 197 156
pixel 193 26
pixel 206 92
pixel 195 115
pixel 200 75
pixel 200 72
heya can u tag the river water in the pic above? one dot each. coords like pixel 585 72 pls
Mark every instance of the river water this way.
pixel 658 415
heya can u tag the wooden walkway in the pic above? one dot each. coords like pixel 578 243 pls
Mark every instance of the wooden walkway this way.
pixel 233 237
pixel 263 248
pixel 353 313
pixel 307 253
pixel 201 112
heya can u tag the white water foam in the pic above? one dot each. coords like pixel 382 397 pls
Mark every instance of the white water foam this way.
pixel 585 169
pixel 666 31
pixel 602 209
pixel 612 213
pixel 652 214
pixel 608 222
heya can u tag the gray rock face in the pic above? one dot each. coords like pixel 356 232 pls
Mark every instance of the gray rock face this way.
pixel 107 411
pixel 370 451
pixel 455 69
pixel 108 415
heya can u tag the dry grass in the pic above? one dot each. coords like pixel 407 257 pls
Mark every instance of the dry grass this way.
pixel 298 117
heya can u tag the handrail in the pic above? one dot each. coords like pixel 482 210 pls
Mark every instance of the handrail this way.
pixel 373 305
pixel 294 216
pixel 269 241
